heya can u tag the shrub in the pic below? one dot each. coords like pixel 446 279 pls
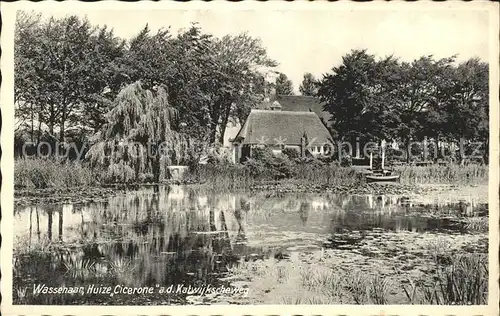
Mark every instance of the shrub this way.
pixel 291 153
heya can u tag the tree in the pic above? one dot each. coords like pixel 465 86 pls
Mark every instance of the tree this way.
pixel 347 93
pixel 139 136
pixel 108 52
pixel 240 64
pixel 27 98
pixel 309 85
pixel 283 85
pixel 54 76
pixel 416 94
pixel 468 104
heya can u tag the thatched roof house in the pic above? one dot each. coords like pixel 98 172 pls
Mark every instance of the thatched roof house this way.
pixel 267 127
pixel 298 103
pixel 279 129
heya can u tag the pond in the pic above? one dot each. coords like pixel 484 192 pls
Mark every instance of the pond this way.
pixel 189 238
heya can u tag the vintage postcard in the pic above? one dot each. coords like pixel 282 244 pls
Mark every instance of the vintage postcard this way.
pixel 276 158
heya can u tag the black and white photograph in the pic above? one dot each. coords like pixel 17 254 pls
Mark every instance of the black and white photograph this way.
pixel 189 156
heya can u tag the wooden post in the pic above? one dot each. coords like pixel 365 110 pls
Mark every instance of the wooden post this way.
pixel 383 156
pixel 371 160
pixel 302 147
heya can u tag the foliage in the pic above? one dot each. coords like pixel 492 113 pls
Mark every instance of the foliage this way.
pixel 48 173
pixel 211 81
pixel 471 174
pixel 291 153
pixel 283 85
pixel 464 282
pixel 278 166
pixel 139 136
pixel 309 85
pixel 56 84
pixel 428 97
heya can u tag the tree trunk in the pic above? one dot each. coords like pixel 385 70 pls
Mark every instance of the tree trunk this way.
pixel 461 150
pixel 223 126
pixel 408 149
pixel 60 146
pixel 486 151
pixel 213 132
pixel 61 131
pixel 436 148
pixel 49 228
pixel 39 133
pixel 32 123
pixel 61 224
pixel 222 133
pixel 156 166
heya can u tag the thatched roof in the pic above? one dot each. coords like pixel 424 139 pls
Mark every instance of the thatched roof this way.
pixel 270 127
pixel 298 103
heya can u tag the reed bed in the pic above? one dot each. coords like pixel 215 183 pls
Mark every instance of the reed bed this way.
pixel 477 224
pixel 49 173
pixel 462 282
pixel 455 174
pixel 458 280
pixel 232 176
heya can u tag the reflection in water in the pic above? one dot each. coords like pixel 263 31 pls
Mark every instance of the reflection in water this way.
pixel 184 235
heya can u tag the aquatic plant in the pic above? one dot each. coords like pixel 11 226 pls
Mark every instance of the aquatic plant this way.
pixel 462 282
pixel 453 173
pixel 43 173
pixel 79 268
pixel 378 289
pixel 242 176
pixel 465 281
pixel 439 250
pixel 121 265
pixel 306 299
pixel 356 284
pixel 20 294
pixel 477 224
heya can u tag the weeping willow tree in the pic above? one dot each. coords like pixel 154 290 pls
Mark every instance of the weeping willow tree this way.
pixel 138 140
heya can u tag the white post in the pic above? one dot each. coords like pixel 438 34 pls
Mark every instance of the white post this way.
pixel 371 160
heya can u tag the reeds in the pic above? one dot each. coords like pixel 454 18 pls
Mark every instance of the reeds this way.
pixel 231 176
pixel 477 224
pixel 456 174
pixel 464 281
pixel 79 268
pixel 49 173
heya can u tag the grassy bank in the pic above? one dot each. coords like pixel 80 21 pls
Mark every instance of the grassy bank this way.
pixel 241 176
pixel 454 174
pixel 47 173
pixel 231 176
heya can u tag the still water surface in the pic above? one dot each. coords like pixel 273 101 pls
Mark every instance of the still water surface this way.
pixel 187 235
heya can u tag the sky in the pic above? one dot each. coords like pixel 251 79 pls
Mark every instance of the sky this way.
pixel 315 41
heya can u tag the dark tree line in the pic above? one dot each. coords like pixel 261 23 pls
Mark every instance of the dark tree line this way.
pixel 68 74
pixel 374 99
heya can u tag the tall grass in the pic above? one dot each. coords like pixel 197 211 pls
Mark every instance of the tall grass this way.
pixel 231 176
pixel 48 173
pixel 464 282
pixel 456 174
